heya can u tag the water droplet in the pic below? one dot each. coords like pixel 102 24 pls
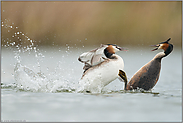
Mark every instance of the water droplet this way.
pixel 16 27
pixel 18 33
pixel 2 25
pixel 22 34
pixel 13 36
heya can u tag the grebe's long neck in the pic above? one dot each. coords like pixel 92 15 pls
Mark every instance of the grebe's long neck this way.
pixel 159 55
pixel 165 53
pixel 107 53
pixel 110 55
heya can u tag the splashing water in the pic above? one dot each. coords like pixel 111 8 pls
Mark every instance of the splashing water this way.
pixel 26 78
pixel 34 79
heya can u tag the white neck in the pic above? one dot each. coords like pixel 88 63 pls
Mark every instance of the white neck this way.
pixel 159 55
pixel 115 55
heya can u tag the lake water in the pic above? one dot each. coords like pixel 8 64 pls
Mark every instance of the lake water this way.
pixel 39 85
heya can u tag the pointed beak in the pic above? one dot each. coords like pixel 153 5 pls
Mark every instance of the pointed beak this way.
pixel 122 49
pixel 157 47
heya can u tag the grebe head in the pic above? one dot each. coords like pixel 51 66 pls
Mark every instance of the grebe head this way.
pixel 112 49
pixel 166 46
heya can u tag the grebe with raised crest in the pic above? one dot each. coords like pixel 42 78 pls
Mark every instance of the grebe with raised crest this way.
pixel 100 71
pixel 147 76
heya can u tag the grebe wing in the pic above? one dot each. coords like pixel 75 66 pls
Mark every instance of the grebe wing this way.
pixel 93 57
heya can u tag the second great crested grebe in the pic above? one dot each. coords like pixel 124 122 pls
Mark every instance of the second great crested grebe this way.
pixel 147 76
pixel 100 71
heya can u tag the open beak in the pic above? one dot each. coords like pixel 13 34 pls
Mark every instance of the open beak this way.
pixel 157 47
pixel 163 45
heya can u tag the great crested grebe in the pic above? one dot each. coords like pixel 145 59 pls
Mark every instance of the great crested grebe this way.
pixel 100 71
pixel 147 76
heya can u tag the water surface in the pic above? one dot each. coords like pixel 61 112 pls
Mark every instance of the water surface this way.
pixel 51 95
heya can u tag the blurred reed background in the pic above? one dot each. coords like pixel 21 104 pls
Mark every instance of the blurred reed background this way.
pixel 93 23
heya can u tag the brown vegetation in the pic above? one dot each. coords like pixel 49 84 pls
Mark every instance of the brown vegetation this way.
pixel 123 23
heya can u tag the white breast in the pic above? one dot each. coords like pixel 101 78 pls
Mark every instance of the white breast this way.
pixel 101 75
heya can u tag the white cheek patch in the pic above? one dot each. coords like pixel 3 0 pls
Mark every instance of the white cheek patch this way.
pixel 161 46
pixel 115 49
